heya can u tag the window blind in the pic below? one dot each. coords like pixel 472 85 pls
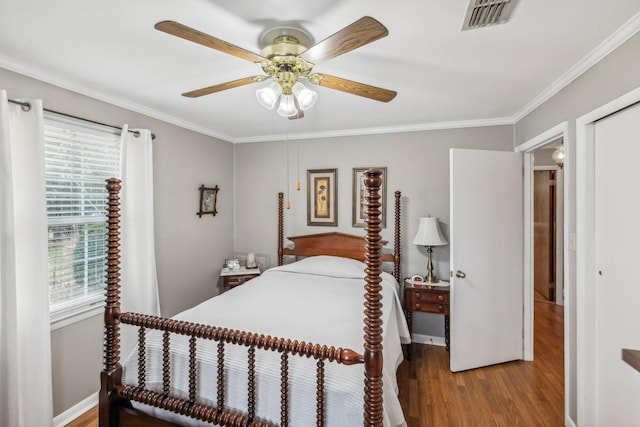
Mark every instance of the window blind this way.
pixel 77 163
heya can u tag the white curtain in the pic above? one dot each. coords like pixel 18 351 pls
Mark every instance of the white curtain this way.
pixel 25 342
pixel 138 258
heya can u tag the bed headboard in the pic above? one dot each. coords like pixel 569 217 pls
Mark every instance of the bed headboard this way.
pixel 336 243
pixel 333 243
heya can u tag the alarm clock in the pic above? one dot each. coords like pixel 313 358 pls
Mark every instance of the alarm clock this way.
pixel 417 278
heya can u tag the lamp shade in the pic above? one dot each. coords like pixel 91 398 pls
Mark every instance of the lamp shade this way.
pixel 268 96
pixel 429 233
pixel 306 97
pixel 287 106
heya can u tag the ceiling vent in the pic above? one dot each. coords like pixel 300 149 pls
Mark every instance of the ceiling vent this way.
pixel 482 13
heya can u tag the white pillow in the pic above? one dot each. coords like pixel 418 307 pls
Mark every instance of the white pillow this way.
pixel 326 265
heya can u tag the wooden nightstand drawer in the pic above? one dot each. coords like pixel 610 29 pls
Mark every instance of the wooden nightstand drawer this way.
pixel 424 295
pixel 231 279
pixel 427 307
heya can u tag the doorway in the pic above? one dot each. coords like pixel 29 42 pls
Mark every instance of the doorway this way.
pixel 547 234
pixel 534 149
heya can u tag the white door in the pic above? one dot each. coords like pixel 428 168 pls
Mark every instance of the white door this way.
pixel 486 243
pixel 617 290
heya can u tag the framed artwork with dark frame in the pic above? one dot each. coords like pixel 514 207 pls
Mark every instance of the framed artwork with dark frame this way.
pixel 208 200
pixel 359 203
pixel 322 200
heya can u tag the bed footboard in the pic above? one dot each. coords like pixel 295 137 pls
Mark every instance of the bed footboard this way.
pixel 219 414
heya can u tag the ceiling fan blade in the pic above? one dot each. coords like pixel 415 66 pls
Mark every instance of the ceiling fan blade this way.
pixel 364 31
pixel 188 33
pixel 360 89
pixel 223 86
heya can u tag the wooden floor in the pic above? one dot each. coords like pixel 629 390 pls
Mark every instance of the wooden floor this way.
pixel 88 419
pixel 510 394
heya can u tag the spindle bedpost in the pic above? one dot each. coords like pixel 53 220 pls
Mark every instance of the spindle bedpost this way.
pixel 280 227
pixel 111 376
pixel 396 239
pixel 373 303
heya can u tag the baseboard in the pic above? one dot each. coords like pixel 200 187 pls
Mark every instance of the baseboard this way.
pixel 428 339
pixel 75 411
pixel 568 422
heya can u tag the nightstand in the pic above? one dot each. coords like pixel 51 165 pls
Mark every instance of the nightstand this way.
pixel 426 298
pixel 233 278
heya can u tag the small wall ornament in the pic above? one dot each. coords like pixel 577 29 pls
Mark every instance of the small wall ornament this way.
pixel 208 200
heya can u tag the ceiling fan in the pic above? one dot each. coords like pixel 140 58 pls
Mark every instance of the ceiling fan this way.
pixel 286 58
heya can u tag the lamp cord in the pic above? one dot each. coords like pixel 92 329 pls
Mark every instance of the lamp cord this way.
pixel 298 153
pixel 287 148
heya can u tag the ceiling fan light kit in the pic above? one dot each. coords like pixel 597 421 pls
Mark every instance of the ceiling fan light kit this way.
pixel 286 60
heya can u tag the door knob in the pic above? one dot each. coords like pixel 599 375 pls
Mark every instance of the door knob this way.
pixel 460 274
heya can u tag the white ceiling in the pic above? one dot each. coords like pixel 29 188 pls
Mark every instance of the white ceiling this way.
pixel 444 77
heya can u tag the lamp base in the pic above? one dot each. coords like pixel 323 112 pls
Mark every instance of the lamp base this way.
pixel 430 277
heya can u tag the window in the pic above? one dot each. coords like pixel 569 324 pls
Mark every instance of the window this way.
pixel 79 158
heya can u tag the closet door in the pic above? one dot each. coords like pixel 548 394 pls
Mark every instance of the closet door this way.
pixel 617 251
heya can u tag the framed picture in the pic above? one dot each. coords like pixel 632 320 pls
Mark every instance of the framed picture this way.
pixel 359 203
pixel 208 199
pixel 322 200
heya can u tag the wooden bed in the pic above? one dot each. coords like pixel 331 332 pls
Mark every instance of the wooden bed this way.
pixel 116 398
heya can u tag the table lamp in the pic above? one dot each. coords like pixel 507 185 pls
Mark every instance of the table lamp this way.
pixel 429 234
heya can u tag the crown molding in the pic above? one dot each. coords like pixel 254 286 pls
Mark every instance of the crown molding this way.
pixel 611 43
pixel 58 81
pixel 381 130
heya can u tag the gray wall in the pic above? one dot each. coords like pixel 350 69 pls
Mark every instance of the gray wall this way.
pixel 417 164
pixel 542 157
pixel 615 75
pixel 189 250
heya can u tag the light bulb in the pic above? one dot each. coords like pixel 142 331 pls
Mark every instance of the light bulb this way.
pixel 558 155
pixel 268 96
pixel 306 97
pixel 287 106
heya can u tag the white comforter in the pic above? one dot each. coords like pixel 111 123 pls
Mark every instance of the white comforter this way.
pixel 318 300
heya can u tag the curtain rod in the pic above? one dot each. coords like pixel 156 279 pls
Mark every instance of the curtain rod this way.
pixel 26 106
